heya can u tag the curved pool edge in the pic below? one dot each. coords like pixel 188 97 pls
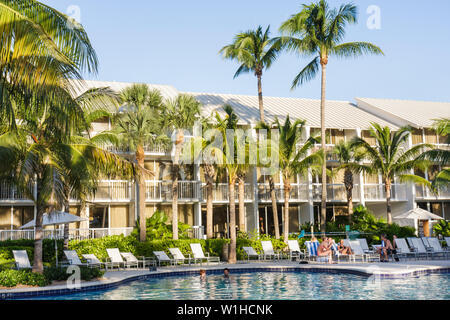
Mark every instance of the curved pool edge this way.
pixel 383 271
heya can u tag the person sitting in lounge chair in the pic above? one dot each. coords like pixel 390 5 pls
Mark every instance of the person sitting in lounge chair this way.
pixel 385 249
pixel 324 249
pixel 343 249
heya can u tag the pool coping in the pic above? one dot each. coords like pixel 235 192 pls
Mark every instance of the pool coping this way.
pixel 374 270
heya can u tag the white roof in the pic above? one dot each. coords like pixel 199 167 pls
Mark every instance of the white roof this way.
pixel 418 114
pixel 168 92
pixel 339 114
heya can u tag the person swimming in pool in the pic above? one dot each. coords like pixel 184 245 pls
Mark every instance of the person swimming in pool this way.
pixel 226 273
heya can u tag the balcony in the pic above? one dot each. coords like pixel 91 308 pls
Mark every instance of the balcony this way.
pixel 423 193
pixel 221 192
pixel 113 191
pixel 161 191
pixel 376 192
pixel 156 149
pixel 335 192
pixel 9 193
pixel 299 192
pixel 74 234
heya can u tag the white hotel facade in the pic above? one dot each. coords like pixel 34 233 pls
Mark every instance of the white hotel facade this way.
pixel 113 209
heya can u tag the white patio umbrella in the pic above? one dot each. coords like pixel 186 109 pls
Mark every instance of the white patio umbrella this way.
pixel 55 218
pixel 419 214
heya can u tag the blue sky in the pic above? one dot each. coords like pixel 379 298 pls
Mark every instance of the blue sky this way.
pixel 176 42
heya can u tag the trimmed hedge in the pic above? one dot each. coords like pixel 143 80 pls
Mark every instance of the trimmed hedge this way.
pixel 12 278
pixel 60 274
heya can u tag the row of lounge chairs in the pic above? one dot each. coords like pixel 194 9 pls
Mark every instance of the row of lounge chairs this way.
pixel 124 259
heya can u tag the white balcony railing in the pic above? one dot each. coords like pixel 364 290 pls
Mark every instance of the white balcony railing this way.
pixel 162 190
pixel 74 234
pixel 423 193
pixel 299 192
pixel 113 190
pixel 156 149
pixel 335 192
pixel 376 192
pixel 221 192
pixel 8 192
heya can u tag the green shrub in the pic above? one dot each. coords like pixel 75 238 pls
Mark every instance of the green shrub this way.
pixel 60 273
pixel 12 278
pixel 442 228
pixel 99 246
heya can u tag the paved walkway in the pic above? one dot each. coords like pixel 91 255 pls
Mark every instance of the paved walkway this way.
pixel 392 269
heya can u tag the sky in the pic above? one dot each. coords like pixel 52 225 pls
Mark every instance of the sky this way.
pixel 176 42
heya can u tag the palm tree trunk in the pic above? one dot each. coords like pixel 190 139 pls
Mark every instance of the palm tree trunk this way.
pixel 287 192
pixel 273 198
pixel 175 171
pixel 323 209
pixel 232 226
pixel 140 180
pixel 38 265
pixel 66 226
pixel 348 182
pixel 241 191
pixel 388 201
pixel 209 211
pixel 260 99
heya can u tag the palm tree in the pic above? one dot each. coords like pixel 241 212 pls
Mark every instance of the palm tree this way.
pixel 255 51
pixel 232 168
pixel 349 159
pixel 137 125
pixel 41 49
pixel 294 159
pixel 179 113
pixel 390 159
pixel 319 31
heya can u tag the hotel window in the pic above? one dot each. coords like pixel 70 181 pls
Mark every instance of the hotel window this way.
pixel 365 134
pixel 417 137
pixel 430 136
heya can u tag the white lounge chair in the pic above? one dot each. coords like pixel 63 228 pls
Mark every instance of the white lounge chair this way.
pixel 92 260
pixel 403 249
pixel 268 250
pixel 250 252
pixel 73 259
pixel 198 254
pixel 162 257
pixel 419 247
pixel 115 258
pixel 359 252
pixel 294 250
pixel 365 246
pixel 21 259
pixel 178 256
pixel 131 260
pixel 436 248
pixel 426 243
pixel 338 255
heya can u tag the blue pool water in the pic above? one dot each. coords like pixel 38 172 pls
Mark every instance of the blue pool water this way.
pixel 275 286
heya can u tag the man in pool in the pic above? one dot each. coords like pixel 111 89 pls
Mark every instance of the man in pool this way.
pixel 324 250
pixel 202 274
pixel 226 273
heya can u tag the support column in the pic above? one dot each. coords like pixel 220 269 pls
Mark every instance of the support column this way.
pixel 310 204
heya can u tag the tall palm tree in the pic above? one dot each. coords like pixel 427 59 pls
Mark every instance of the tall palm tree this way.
pixel 294 159
pixel 138 124
pixel 232 168
pixel 255 51
pixel 350 161
pixel 390 159
pixel 319 31
pixel 179 114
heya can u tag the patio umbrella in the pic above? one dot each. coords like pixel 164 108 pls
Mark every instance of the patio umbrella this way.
pixel 419 214
pixel 55 218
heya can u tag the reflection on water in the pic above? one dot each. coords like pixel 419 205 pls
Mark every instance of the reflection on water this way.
pixel 274 286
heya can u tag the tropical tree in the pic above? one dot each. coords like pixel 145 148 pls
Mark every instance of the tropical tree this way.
pixel 178 114
pixel 137 125
pixel 41 49
pixel 294 159
pixel 350 161
pixel 391 159
pixel 319 31
pixel 255 51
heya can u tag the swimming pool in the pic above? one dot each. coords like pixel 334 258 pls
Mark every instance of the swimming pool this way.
pixel 274 286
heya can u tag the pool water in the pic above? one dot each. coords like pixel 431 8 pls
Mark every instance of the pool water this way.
pixel 275 286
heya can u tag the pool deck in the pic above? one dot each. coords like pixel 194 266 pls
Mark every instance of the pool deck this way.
pixel 115 278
